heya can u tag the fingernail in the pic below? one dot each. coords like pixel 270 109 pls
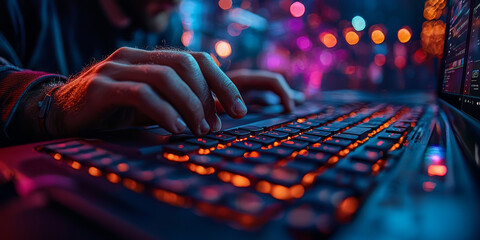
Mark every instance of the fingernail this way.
pixel 204 128
pixel 239 108
pixel 181 126
pixel 217 125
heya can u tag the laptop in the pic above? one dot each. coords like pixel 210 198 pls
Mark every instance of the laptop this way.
pixel 344 165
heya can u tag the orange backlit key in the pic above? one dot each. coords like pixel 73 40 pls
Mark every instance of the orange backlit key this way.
pixel 318 133
pixel 278 151
pixel 247 145
pixel 295 144
pixel 291 131
pixel 203 142
pixel 326 148
pixel 390 136
pixel 300 126
pixel 180 148
pixel 367 156
pixel 222 137
pixel 338 142
pixel 264 140
pixel 314 157
pixel 229 152
pixel 309 138
pixel 275 134
pixel 379 145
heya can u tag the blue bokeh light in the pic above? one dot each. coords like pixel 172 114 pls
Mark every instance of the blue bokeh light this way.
pixel 358 23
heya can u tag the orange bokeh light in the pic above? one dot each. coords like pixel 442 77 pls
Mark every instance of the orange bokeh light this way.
pixel 404 35
pixel 352 38
pixel 328 39
pixel 223 49
pixel 377 36
pixel 225 4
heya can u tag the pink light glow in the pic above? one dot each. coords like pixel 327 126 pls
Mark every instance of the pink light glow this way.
pixel 304 43
pixel 297 9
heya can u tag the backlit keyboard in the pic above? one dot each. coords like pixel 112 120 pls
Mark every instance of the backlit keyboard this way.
pixel 317 168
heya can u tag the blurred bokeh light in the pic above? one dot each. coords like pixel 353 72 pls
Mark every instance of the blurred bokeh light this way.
pixel 318 45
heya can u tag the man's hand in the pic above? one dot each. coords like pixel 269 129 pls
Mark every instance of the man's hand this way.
pixel 246 79
pixel 132 85
pixel 170 88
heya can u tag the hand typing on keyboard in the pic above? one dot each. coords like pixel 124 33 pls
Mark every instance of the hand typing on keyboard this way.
pixel 166 87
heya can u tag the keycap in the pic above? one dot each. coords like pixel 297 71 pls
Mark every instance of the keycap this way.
pixel 359 131
pixel 82 157
pixel 180 148
pixel 326 196
pixel 278 151
pixel 203 142
pixel 326 148
pixel 355 167
pixel 290 131
pixel 334 177
pixel 64 145
pixel 124 166
pixel 379 145
pixel 318 158
pixel 369 156
pixel 328 129
pixel 299 126
pixel 251 203
pixel 347 136
pixel 264 140
pixel 318 133
pixel 302 167
pixel 309 138
pixel 247 145
pixel 229 152
pixel 252 129
pixel 222 137
pixel 147 172
pixel 275 134
pixel 390 136
pixel 239 133
pixel 256 157
pixel 339 125
pixel 396 129
pixel 283 176
pixel 106 160
pixel 76 150
pixel 206 160
pixel 339 142
pixel 295 144
pixel 402 124
pixel 313 123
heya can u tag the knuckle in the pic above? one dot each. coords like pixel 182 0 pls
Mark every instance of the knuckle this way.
pixel 165 71
pixel 203 56
pixel 141 89
pixel 185 61
pixel 120 52
pixel 104 66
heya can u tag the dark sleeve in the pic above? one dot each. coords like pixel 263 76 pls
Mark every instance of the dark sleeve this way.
pixel 14 85
pixel 15 82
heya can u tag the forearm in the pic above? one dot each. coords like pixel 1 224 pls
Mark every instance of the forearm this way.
pixel 26 123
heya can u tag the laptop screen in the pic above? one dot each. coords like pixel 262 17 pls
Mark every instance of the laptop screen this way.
pixel 461 74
